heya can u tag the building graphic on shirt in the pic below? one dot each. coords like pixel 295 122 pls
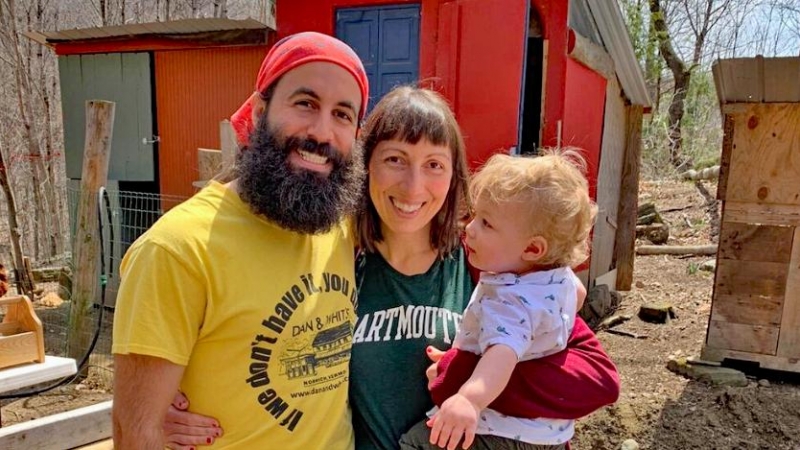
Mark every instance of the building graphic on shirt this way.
pixel 329 348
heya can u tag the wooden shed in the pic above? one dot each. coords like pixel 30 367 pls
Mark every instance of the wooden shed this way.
pixel 755 315
pixel 519 74
pixel 172 82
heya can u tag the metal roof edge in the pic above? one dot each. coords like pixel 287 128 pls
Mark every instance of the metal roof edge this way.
pixel 615 36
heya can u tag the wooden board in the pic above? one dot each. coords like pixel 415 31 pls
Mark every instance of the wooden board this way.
pixel 789 343
pixel 747 309
pixel 750 278
pixel 52 368
pixel 752 242
pixel 107 444
pixel 764 214
pixel 765 161
pixel 741 337
pixel 725 159
pixel 60 431
pixel 765 361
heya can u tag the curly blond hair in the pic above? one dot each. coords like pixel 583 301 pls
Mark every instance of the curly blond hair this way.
pixel 554 190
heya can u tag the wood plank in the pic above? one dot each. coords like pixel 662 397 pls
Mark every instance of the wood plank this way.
pixel 107 444
pixel 59 431
pixel 725 159
pixel 747 309
pixel 764 214
pixel 625 241
pixel 52 368
pixel 789 343
pixel 742 337
pixel 752 242
pixel 765 166
pixel 750 278
pixel 765 361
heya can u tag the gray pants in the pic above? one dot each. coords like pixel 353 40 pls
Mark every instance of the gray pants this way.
pixel 418 437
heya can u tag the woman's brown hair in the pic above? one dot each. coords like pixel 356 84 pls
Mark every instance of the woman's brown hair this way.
pixel 410 114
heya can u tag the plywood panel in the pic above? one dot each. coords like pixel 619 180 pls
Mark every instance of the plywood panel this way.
pixel 752 242
pixel 747 309
pixel 765 163
pixel 750 278
pixel 763 214
pixel 742 337
pixel 789 345
pixel 765 361
pixel 609 179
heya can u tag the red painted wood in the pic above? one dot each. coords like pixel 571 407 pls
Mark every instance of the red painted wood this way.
pixel 133 45
pixel 554 15
pixel 584 107
pixel 482 71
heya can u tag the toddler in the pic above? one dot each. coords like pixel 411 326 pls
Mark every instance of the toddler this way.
pixel 531 225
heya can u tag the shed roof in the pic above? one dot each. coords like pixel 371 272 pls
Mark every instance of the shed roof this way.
pixel 757 80
pixel 161 29
pixel 614 33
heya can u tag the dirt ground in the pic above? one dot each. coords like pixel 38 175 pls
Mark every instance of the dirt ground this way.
pixel 657 408
pixel 662 410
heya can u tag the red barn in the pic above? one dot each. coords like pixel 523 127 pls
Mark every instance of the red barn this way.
pixel 519 74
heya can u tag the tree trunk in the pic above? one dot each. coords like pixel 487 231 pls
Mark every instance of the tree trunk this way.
pixel 682 78
pixel 14 231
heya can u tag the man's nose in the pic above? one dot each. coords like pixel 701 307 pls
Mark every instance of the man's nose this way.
pixel 321 129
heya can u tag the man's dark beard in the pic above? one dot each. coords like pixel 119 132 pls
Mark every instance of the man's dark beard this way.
pixel 294 198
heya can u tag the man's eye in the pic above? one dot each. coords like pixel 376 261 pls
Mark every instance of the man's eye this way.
pixel 344 116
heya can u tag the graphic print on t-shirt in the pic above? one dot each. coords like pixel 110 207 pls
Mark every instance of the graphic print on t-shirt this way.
pixel 311 352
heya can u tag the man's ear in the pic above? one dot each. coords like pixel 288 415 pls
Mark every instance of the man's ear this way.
pixel 536 249
pixel 259 105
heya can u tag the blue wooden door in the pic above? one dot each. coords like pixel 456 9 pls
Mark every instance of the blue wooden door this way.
pixel 386 39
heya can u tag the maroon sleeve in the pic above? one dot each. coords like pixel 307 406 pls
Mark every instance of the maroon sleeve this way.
pixel 566 385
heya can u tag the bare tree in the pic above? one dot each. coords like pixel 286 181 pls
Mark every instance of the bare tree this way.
pixel 701 17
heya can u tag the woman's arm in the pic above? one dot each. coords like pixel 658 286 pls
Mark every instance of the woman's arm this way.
pixel 566 385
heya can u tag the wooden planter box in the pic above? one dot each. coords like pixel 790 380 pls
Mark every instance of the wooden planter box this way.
pixel 755 313
pixel 21 339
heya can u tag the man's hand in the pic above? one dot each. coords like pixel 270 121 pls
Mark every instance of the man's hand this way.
pixel 434 354
pixel 456 419
pixel 183 429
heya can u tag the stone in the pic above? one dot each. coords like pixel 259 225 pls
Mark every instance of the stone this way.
pixel 709 266
pixel 640 284
pixel 657 312
pixel 718 376
pixel 600 303
pixel 763 383
pixel 629 444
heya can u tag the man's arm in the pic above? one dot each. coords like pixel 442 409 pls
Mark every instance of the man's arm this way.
pixel 143 390
pixel 566 385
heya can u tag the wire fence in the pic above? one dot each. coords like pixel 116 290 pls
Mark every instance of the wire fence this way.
pixel 124 216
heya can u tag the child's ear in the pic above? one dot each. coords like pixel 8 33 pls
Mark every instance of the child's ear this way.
pixel 536 249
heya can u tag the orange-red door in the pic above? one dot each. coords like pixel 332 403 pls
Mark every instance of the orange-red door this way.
pixel 480 65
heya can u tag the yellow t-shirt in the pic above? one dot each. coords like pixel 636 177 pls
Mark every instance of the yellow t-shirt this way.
pixel 260 316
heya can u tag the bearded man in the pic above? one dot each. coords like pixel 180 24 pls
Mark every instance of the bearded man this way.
pixel 241 296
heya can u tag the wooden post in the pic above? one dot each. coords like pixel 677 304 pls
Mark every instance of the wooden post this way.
pixel 628 200
pixel 227 142
pixel 209 163
pixel 86 245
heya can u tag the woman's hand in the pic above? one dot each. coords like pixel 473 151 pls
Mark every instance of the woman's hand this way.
pixel 456 419
pixel 184 430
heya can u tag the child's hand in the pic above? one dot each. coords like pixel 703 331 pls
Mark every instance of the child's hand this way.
pixel 457 418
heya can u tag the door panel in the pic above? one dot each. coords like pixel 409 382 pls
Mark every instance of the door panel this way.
pixel 123 78
pixel 386 38
pixel 480 61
